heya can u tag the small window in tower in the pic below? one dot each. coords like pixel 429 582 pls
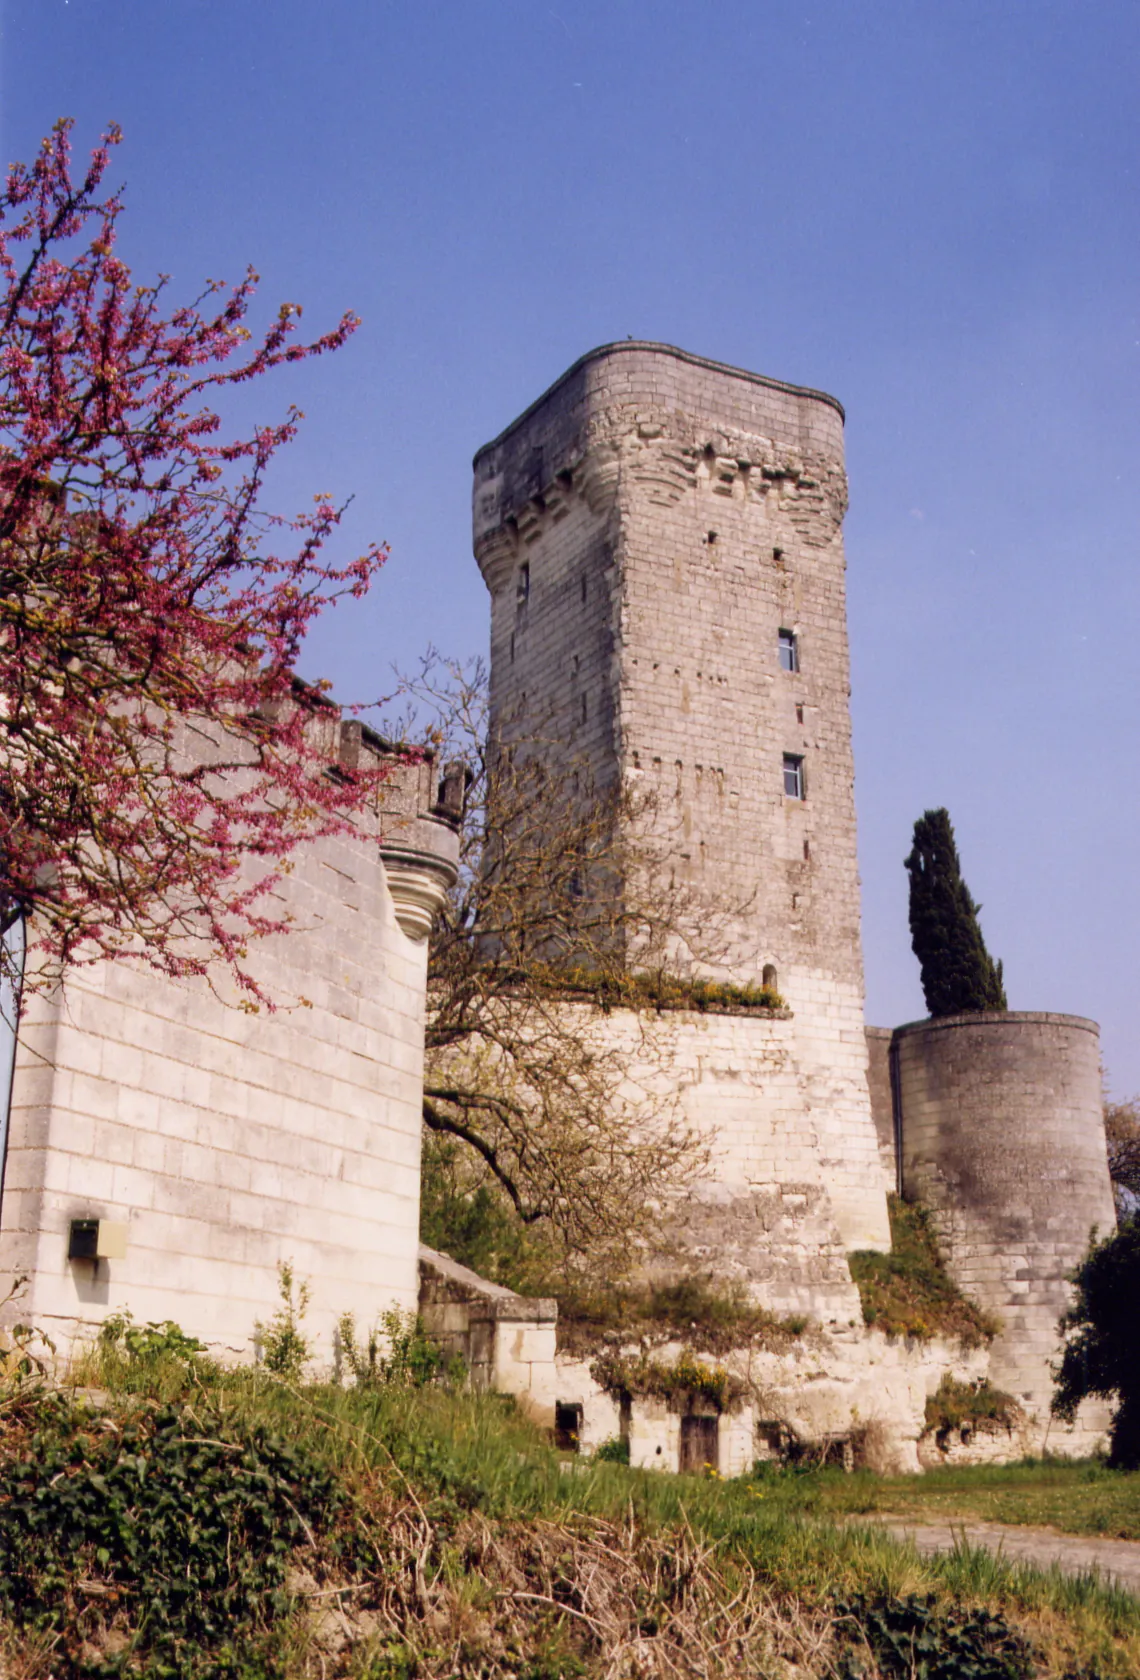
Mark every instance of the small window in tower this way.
pixel 799 714
pixel 768 977
pixel 522 586
pixel 585 709
pixel 789 651
pixel 584 589
pixel 794 776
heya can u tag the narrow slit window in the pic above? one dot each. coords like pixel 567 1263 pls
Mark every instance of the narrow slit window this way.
pixel 794 776
pixel 522 586
pixel 789 651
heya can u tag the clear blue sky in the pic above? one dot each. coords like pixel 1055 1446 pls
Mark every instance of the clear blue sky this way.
pixel 928 208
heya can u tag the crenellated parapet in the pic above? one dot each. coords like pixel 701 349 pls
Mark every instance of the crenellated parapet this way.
pixel 612 419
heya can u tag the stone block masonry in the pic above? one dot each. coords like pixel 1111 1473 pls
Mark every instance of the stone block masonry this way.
pixel 662 540
pixel 1003 1139
pixel 228 1142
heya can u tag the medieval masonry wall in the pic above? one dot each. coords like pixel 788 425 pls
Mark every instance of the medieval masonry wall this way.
pixel 662 539
pixel 1003 1139
pixel 229 1142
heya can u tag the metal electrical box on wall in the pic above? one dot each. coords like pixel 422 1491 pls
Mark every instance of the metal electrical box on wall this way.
pixel 97 1239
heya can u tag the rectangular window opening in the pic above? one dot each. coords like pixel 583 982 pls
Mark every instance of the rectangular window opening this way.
pixel 789 651
pixel 522 585
pixel 567 1425
pixel 794 787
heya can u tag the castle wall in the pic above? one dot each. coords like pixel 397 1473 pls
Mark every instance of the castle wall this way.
pixel 647 529
pixel 881 1086
pixel 1003 1139
pixel 227 1141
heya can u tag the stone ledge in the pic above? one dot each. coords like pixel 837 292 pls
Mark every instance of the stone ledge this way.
pixel 994 1018
pixel 448 1282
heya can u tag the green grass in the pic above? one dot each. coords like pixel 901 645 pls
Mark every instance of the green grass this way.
pixel 908 1292
pixel 454 1512
pixel 1077 1498
pixel 425 1469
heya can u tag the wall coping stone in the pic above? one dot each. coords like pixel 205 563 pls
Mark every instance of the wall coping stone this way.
pixel 640 346
pixel 490 1300
pixel 994 1018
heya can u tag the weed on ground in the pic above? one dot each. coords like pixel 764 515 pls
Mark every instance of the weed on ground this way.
pixel 167 1518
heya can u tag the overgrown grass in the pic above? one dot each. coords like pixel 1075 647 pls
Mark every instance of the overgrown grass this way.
pixel 661 991
pixel 708 1317
pixel 454 1541
pixel 909 1292
pixel 955 1404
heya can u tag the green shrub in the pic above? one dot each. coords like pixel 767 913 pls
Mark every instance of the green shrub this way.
pixel 912 1638
pixel 909 1292
pixel 956 1403
pixel 397 1353
pixel 710 1317
pixel 119 1334
pixel 170 1521
pixel 285 1350
pixel 1103 1356
pixel 685 1378
pixel 613 1451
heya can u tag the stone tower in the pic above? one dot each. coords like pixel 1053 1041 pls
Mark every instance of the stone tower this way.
pixel 661 536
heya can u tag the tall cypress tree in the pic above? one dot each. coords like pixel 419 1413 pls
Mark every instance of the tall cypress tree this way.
pixel 958 973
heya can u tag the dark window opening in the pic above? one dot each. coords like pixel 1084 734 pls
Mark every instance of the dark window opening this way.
pixel 583 588
pixel 789 651
pixel 799 714
pixel 807 850
pixel 585 709
pixel 522 586
pixel 567 1425
pixel 794 787
pixel 768 977
pixel 699 1441
pixel 711 538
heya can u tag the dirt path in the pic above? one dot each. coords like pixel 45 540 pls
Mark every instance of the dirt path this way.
pixel 1115 1560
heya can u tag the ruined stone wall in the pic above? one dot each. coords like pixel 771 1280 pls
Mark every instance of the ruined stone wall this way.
pixel 647 529
pixel 228 1142
pixel 1003 1139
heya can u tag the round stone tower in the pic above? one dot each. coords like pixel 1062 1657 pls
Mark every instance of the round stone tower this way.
pixel 661 536
pixel 1002 1137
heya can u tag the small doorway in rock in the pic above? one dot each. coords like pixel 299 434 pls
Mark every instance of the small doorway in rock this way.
pixel 567 1425
pixel 699 1440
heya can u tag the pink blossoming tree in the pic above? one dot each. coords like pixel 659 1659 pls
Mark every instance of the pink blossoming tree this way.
pixel 147 602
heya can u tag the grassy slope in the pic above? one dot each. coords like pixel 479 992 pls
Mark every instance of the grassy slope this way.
pixel 470 1545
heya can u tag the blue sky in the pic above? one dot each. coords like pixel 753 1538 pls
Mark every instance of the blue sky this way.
pixel 929 209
